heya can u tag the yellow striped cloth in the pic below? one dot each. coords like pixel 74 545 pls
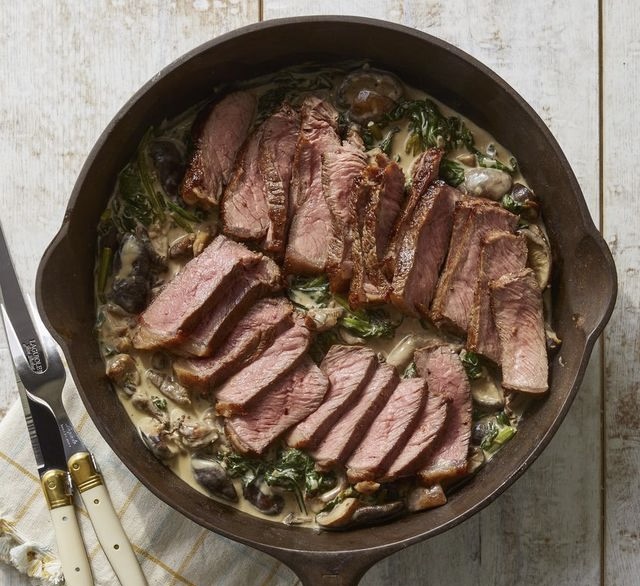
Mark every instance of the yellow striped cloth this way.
pixel 172 550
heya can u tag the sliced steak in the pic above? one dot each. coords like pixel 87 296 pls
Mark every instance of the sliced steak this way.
pixel 252 335
pixel 218 138
pixel 424 171
pixel 421 250
pixel 347 433
pixel 474 219
pixel 232 302
pixel 244 202
pixel 384 186
pixel 258 378
pixel 416 451
pixel 517 309
pixel 389 431
pixel 340 168
pixel 180 306
pixel 440 365
pixel 280 135
pixel 311 225
pixel 290 400
pixel 349 369
pixel 501 253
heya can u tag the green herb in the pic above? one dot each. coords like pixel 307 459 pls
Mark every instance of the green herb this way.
pixel 309 292
pixel 487 161
pixel 410 371
pixel 428 127
pixel 451 172
pixel 387 142
pixel 104 268
pixel 510 204
pixel 159 403
pixel 472 366
pixel 292 470
pixel 131 205
pixel 366 323
pixel 499 432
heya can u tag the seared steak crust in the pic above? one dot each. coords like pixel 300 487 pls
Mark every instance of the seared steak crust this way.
pixel 252 335
pixel 232 302
pixel 389 431
pixel 349 369
pixel 290 400
pixel 474 218
pixel 501 253
pixel 441 367
pixel 218 139
pixel 247 386
pixel 422 248
pixel 349 430
pixel 517 308
pixel 180 306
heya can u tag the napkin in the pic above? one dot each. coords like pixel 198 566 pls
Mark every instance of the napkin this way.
pixel 172 550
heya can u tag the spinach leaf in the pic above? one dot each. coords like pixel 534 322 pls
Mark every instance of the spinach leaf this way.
pixel 451 172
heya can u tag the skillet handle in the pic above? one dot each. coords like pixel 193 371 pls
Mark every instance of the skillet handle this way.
pixel 330 568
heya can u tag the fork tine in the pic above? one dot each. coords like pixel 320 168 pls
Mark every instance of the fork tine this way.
pixel 55 368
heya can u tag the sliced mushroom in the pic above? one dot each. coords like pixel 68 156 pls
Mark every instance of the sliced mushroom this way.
pixel 487 393
pixel 168 387
pixel 526 202
pixel 131 283
pixel 168 161
pixel 202 239
pixel 182 246
pixel 539 254
pixel 486 182
pixel 157 439
pixel 367 487
pixel 212 475
pixel 340 516
pixel 142 402
pixel 260 495
pixel 376 513
pixel 423 498
pixel 122 370
pixel 369 94
pixel 296 519
pixel 476 459
pixel 193 433
pixel 321 319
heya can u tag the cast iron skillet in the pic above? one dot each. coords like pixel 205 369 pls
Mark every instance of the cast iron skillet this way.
pixel 584 279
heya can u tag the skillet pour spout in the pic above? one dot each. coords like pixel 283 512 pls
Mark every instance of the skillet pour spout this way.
pixel 583 283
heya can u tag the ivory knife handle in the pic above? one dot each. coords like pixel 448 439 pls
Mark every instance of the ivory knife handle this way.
pixel 105 521
pixel 73 556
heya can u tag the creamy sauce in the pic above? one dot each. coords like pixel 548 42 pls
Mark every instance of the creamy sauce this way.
pixel 409 335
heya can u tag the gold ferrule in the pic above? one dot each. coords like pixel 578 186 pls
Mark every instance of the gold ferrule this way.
pixel 84 472
pixel 55 486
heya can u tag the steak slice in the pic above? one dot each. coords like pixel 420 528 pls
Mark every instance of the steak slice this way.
pixel 416 451
pixel 347 433
pixel 440 365
pixel 516 301
pixel 389 431
pixel 218 139
pixel 424 171
pixel 349 369
pixel 232 301
pixel 311 225
pixel 501 253
pixel 191 293
pixel 252 335
pixel 474 219
pixel 244 201
pixel 340 168
pixel 289 401
pixel 279 138
pixel 421 250
pixel 252 382
pixel 384 193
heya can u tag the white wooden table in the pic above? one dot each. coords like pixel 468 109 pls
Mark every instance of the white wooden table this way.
pixel 67 67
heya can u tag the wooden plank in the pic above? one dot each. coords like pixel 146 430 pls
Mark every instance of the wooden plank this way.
pixel 546 529
pixel 67 68
pixel 621 214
